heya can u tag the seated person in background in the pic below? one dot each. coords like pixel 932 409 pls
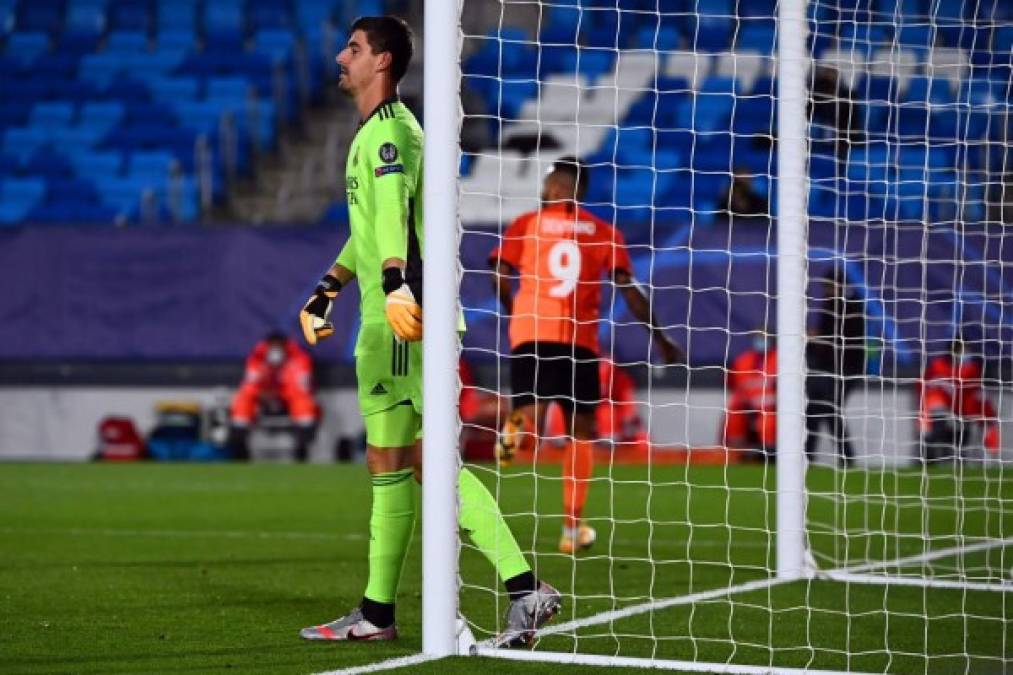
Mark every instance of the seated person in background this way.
pixel 751 386
pixel 617 417
pixel 741 199
pixel 278 381
pixel 952 402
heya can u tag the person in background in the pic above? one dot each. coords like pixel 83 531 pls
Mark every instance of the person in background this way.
pixel 835 356
pixel 741 199
pixel 952 403
pixel 278 380
pixel 751 418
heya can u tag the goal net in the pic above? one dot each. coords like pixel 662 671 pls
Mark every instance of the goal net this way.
pixel 815 199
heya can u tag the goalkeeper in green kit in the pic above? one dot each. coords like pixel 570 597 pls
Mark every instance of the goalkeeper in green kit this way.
pixel 384 254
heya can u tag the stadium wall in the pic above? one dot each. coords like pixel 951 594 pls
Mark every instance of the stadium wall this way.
pixel 55 423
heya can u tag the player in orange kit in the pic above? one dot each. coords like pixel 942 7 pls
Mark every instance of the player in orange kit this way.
pixel 561 256
pixel 751 417
pixel 952 402
pixel 278 378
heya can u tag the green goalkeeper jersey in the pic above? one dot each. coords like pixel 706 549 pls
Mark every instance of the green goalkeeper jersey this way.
pixel 383 182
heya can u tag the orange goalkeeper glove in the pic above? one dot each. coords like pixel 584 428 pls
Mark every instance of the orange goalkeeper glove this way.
pixel 315 317
pixel 404 313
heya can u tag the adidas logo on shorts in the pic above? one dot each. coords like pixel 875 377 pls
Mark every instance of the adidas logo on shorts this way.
pixel 379 390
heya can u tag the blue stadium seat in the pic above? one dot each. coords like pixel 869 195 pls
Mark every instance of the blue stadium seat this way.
pixel 591 63
pixel 822 199
pixel 56 66
pixel 8 16
pixel 147 66
pixel 916 37
pixel 92 163
pixel 18 196
pixel 72 190
pixel 268 14
pixel 47 162
pixel 176 39
pixel 177 16
pixel 22 142
pixel 709 28
pixel 757 36
pixel 25 46
pixel 277 43
pixel 710 109
pixel 223 25
pixel 130 15
pixel 198 115
pixel 84 20
pixel 664 38
pixel 713 152
pixel 656 109
pixel 52 114
pixel 1002 40
pixel 560 25
pixel 101 69
pixel 14 114
pixel 174 89
pixel 234 89
pixel 312 13
pixel 125 88
pixel 123 194
pixel 758 8
pixel 153 112
pixel 44 16
pixel 753 115
pixel 126 42
pixel 77 137
pixel 152 166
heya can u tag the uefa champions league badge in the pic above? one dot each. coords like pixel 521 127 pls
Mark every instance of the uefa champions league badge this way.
pixel 388 153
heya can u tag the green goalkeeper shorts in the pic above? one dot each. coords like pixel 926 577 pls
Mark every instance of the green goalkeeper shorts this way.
pixel 389 375
pixel 396 427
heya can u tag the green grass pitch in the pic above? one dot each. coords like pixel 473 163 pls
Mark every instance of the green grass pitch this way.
pixel 187 568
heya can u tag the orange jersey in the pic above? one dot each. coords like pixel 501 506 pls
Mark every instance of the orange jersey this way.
pixel 561 256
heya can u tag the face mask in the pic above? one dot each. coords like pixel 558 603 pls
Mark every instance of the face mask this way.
pixel 275 356
pixel 760 344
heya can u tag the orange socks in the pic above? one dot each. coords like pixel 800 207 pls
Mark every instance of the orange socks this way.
pixel 577 466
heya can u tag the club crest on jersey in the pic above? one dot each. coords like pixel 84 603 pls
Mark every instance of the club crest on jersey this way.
pixel 388 153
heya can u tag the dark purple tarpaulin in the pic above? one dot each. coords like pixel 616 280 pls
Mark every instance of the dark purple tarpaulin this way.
pixel 210 294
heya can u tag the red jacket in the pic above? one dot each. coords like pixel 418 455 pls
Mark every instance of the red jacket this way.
pixel 955 388
pixel 291 382
pixel 752 391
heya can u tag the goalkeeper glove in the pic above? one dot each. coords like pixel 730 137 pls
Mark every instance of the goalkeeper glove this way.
pixel 315 317
pixel 404 314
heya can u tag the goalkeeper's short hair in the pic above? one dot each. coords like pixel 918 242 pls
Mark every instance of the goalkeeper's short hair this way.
pixel 390 34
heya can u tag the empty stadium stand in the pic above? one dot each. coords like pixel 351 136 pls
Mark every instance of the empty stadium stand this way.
pixel 694 88
pixel 145 111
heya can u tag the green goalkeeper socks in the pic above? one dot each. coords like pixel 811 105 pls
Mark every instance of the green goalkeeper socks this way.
pixel 390 532
pixel 480 517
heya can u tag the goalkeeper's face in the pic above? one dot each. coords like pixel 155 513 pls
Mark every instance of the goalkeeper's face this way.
pixel 358 64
